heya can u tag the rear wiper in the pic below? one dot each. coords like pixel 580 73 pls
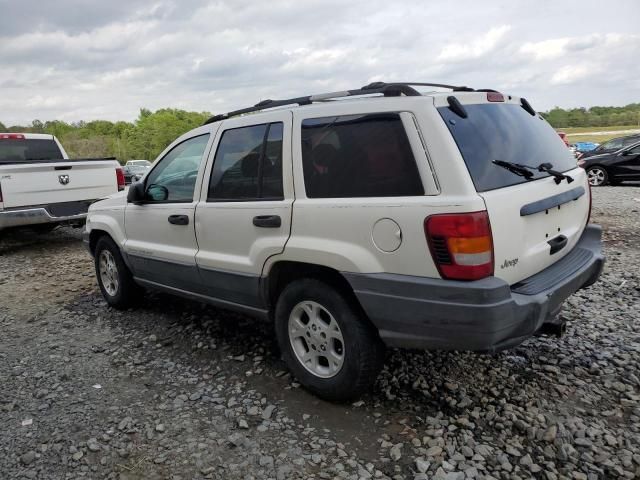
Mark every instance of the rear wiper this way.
pixel 527 170
pixel 559 176
pixel 516 168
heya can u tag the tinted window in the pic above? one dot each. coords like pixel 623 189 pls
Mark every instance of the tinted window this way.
pixel 615 144
pixel 177 170
pixel 23 150
pixel 248 164
pixel 635 150
pixel 629 141
pixel 505 132
pixel 358 156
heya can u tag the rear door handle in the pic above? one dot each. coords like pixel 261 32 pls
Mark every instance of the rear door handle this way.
pixel 178 219
pixel 267 221
pixel 557 244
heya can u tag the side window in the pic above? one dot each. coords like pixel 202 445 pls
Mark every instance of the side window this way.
pixel 358 156
pixel 248 164
pixel 635 150
pixel 174 177
pixel 629 141
pixel 615 144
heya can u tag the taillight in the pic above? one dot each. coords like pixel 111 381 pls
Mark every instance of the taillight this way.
pixel 461 244
pixel 120 178
pixel 590 203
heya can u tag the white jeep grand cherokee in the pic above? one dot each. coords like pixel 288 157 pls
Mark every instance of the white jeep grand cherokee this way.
pixel 455 220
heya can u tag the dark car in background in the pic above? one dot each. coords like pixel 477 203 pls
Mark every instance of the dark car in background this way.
pixel 614 167
pixel 611 146
pixel 134 170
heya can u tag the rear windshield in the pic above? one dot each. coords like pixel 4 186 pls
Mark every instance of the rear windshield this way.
pixel 15 150
pixel 507 132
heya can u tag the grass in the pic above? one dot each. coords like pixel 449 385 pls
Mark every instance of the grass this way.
pixel 591 138
pixel 598 129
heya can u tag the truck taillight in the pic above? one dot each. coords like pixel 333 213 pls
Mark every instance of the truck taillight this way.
pixel 461 244
pixel 120 178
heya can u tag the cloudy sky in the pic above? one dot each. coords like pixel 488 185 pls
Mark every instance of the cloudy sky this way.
pixel 90 59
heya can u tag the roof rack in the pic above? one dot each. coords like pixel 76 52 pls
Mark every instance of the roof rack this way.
pixel 395 89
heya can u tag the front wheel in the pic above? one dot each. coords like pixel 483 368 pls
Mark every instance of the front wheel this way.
pixel 331 349
pixel 597 176
pixel 114 278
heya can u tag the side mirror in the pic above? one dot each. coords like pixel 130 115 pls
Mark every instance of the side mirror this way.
pixel 136 193
pixel 157 193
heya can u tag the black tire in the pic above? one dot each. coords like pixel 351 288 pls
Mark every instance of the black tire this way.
pixel 127 292
pixel 599 172
pixel 363 351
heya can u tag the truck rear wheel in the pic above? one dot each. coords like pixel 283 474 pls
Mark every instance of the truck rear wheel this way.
pixel 331 349
pixel 114 278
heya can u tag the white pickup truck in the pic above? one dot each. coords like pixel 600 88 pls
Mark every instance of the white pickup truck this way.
pixel 41 188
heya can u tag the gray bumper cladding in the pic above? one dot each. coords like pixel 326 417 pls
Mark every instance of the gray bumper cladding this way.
pixel 484 315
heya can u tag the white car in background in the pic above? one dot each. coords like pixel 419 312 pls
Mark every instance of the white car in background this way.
pixel 41 187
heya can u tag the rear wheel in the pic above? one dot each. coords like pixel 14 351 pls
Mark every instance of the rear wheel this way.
pixel 597 176
pixel 114 278
pixel 331 349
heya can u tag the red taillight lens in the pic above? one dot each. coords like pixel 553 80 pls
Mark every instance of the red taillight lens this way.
pixel 495 97
pixel 120 178
pixel 590 203
pixel 461 244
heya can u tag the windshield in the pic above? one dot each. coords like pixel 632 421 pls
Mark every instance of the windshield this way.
pixel 18 150
pixel 509 133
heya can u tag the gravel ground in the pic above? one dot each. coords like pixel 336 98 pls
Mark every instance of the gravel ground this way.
pixel 179 390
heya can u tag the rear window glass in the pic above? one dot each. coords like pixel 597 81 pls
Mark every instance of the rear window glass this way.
pixel 358 156
pixel 505 132
pixel 25 150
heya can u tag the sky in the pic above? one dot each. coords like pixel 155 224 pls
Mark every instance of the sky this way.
pixel 77 60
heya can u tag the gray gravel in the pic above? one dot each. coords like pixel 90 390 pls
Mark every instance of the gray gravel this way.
pixel 180 390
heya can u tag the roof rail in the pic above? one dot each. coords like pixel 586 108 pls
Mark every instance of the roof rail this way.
pixel 395 89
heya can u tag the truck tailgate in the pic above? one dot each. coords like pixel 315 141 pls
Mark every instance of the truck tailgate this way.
pixel 57 182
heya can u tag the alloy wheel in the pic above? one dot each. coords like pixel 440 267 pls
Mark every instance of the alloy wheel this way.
pixel 108 272
pixel 596 176
pixel 316 339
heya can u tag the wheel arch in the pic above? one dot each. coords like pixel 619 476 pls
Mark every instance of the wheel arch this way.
pixel 283 272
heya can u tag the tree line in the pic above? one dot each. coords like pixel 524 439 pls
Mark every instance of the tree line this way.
pixel 151 132
pixel 144 138
pixel 594 116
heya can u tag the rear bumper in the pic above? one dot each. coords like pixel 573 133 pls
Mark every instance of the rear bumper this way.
pixel 484 315
pixel 69 212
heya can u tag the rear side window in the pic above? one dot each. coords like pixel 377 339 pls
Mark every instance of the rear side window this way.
pixel 358 156
pixel 507 132
pixel 16 150
pixel 248 164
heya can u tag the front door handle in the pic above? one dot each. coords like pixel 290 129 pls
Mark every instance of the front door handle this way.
pixel 178 219
pixel 267 221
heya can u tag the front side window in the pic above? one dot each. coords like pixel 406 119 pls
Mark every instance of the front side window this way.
pixel 358 156
pixel 174 178
pixel 248 164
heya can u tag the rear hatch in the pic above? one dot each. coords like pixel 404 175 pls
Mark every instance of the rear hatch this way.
pixel 534 221
pixel 33 172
